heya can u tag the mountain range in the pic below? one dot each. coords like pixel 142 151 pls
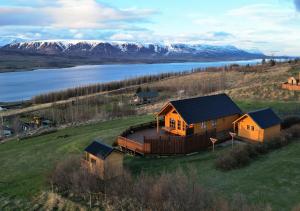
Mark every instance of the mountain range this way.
pixel 126 52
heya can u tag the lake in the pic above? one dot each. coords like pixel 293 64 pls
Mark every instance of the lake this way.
pixel 17 86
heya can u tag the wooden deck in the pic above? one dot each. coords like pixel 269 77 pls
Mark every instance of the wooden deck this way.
pixel 146 140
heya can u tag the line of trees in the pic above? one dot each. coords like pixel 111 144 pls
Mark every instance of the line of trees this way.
pixel 115 85
pixel 93 108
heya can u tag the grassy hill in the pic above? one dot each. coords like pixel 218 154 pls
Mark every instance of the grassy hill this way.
pixel 273 179
pixel 26 164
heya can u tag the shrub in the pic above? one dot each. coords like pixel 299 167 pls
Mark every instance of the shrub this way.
pixel 261 148
pixel 293 132
pixel 290 121
pixel 241 156
pixel 236 158
pixel 226 162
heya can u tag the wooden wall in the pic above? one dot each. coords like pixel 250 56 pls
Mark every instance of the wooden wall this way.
pixel 111 167
pixel 222 124
pixel 173 114
pixel 258 134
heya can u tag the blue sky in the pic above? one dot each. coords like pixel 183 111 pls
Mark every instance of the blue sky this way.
pixel 272 26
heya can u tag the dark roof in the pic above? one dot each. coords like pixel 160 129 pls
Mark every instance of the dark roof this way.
pixel 199 109
pixel 99 149
pixel 265 118
pixel 149 94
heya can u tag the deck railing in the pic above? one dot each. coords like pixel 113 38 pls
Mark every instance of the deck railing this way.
pixel 165 144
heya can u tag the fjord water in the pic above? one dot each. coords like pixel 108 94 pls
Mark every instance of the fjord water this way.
pixel 17 86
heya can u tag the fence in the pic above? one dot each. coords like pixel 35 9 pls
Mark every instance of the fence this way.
pixel 165 145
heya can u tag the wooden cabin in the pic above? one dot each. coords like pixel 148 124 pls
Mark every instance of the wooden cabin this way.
pixel 199 115
pixel 259 126
pixel 293 84
pixel 103 160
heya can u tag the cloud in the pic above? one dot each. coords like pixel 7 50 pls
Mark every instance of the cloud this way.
pixel 297 5
pixel 122 37
pixel 74 14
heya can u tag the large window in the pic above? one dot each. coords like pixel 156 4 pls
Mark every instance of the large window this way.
pixel 179 125
pixel 172 123
pixel 93 161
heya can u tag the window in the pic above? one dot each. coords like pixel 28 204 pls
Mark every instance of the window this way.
pixel 179 125
pixel 248 127
pixel 203 125
pixel 184 126
pixel 93 161
pixel 172 123
pixel 252 128
pixel 214 123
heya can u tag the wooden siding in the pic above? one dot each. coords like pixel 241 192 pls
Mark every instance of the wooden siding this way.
pixel 291 87
pixel 221 124
pixel 272 132
pixel 166 145
pixel 111 167
pixel 174 115
pixel 258 134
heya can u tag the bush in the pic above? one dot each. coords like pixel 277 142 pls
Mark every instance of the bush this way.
pixel 236 158
pixel 293 132
pixel 241 156
pixel 178 190
pixel 290 121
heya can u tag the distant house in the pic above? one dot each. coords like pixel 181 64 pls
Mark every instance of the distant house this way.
pixel 199 115
pixel 5 131
pixel 103 160
pixel 261 125
pixel 145 97
pixel 292 84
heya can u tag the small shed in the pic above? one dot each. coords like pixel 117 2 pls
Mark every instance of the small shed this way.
pixel 104 160
pixel 145 97
pixel 293 81
pixel 260 126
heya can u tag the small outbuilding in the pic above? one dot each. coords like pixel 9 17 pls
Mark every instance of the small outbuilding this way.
pixel 104 160
pixel 259 126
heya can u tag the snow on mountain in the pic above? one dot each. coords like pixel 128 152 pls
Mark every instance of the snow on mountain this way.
pixel 102 49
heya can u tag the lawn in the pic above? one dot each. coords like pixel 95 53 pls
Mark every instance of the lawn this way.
pixel 25 164
pixel 282 108
pixel 273 179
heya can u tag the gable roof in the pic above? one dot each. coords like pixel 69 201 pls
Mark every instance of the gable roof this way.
pixel 200 109
pixel 265 118
pixel 99 149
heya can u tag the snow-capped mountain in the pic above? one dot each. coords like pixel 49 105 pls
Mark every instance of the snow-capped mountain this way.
pixel 123 50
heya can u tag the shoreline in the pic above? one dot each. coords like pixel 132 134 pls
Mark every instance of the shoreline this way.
pixel 5 70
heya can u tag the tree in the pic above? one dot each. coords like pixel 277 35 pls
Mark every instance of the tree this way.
pixel 272 62
pixel 138 90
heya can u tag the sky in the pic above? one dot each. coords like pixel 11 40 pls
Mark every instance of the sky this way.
pixel 271 26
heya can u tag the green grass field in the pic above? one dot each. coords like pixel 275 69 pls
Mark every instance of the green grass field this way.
pixel 282 108
pixel 272 179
